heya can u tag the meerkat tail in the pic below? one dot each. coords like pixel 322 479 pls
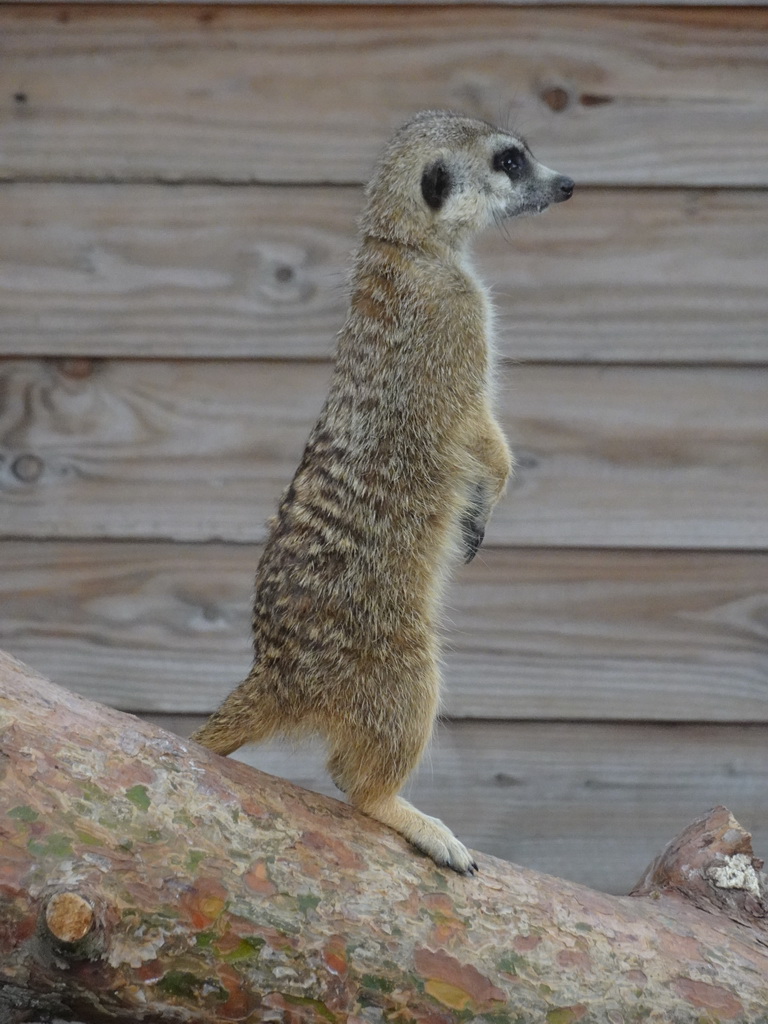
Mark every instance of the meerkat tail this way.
pixel 220 736
pixel 236 723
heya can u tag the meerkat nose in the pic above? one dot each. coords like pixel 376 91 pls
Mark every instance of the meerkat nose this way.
pixel 564 188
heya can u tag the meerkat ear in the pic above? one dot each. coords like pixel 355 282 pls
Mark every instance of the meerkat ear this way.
pixel 436 184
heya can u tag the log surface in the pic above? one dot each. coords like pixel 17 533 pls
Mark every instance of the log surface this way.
pixel 222 894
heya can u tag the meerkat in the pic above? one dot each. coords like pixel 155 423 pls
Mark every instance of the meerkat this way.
pixel 397 480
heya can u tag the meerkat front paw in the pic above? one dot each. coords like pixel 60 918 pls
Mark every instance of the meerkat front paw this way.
pixel 435 839
pixel 472 535
pixel 472 523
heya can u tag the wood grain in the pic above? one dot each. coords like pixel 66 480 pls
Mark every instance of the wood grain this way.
pixel 436 3
pixel 635 275
pixel 632 96
pixel 192 450
pixel 590 802
pixel 539 634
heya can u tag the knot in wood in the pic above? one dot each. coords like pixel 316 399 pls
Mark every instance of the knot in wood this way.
pixel 68 916
pixel 555 97
pixel 28 468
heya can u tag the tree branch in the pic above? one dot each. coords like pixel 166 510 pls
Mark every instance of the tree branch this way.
pixel 144 879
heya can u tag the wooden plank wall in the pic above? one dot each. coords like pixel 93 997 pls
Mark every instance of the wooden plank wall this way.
pixel 178 188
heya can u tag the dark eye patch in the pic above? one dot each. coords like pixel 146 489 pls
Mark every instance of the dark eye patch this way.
pixel 436 184
pixel 512 161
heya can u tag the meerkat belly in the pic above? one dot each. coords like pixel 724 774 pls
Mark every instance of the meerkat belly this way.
pixel 354 564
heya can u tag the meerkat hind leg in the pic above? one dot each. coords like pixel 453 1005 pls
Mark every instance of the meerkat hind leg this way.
pixel 366 775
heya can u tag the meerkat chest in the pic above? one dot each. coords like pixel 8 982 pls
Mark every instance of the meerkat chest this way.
pixel 478 323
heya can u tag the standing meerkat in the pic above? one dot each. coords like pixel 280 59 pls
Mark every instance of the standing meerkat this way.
pixel 397 480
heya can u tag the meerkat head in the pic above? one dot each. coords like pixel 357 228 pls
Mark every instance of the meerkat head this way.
pixel 443 177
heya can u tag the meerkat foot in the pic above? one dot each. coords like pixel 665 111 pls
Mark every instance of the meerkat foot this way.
pixel 427 834
pixel 435 839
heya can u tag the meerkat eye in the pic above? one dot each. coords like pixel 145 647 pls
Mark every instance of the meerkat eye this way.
pixel 511 161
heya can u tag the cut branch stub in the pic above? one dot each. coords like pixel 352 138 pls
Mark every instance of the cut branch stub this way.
pixel 69 931
pixel 68 917
pixel 711 863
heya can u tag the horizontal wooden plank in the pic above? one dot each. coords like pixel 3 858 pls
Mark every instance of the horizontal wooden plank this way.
pixel 608 456
pixel 616 275
pixel 539 634
pixel 593 803
pixel 639 96
pixel 421 3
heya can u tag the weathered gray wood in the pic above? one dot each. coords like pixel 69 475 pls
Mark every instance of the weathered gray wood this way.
pixel 441 3
pixel 589 802
pixel 675 636
pixel 632 275
pixel 609 456
pixel 611 96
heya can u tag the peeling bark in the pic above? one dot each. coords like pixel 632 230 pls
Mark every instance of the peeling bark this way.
pixel 144 879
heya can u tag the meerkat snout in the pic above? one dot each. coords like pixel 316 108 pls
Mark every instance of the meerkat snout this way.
pixel 564 189
pixel 530 186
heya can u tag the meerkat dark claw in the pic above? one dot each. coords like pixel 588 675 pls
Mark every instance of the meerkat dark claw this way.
pixel 473 536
